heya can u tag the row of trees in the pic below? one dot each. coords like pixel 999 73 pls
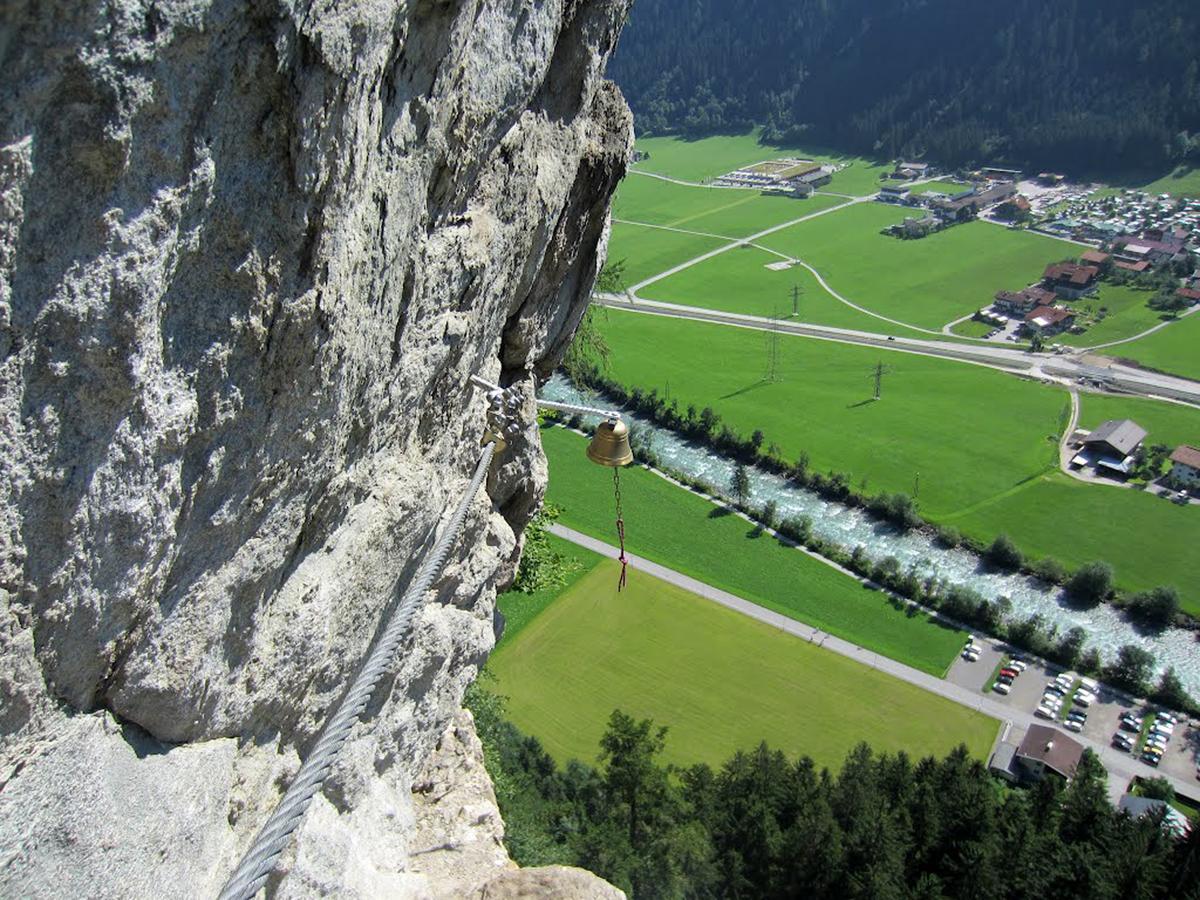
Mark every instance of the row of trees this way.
pixel 764 826
pixel 1100 88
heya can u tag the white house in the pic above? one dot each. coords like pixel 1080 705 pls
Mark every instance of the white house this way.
pixel 1185 467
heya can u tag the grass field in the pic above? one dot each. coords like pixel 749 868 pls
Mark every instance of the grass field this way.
pixel 731 212
pixel 1173 349
pixel 1127 316
pixel 708 158
pixel 519 609
pixel 981 440
pixel 1167 423
pixel 971 328
pixel 739 281
pixel 718 680
pixel 822 405
pixel 676 528
pixel 926 282
pixel 648 251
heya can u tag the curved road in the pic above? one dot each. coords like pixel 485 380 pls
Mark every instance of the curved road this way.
pixel 1117 763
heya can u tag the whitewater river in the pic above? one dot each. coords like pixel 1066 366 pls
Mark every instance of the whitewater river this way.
pixel 1106 629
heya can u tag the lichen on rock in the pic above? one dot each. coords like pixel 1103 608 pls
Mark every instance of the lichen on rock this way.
pixel 249 255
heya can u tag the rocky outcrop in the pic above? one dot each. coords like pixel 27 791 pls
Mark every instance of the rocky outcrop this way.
pixel 250 253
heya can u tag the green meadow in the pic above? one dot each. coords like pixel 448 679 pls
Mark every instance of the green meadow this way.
pixel 1174 349
pixel 683 531
pixel 1126 315
pixel 926 282
pixel 718 680
pixel 1167 423
pixel 647 251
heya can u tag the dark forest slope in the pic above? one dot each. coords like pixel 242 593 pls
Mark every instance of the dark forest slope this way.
pixel 1102 87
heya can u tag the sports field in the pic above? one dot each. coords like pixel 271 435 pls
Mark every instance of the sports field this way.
pixel 718 680
pixel 927 282
pixel 679 529
pixel 1126 315
pixel 1173 349
pixel 707 158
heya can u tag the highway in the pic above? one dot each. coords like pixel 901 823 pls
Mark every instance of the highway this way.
pixel 1066 369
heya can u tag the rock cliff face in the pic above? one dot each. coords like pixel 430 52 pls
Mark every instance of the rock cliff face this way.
pixel 249 254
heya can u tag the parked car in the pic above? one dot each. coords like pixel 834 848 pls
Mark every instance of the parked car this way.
pixel 1054 689
pixel 1168 716
pixel 1065 680
pixel 1151 760
pixel 1082 699
pixel 1122 741
pixel 1010 671
pixel 1005 679
pixel 1077 714
pixel 1158 729
pixel 1018 663
pixel 1044 712
pixel 1073 725
pixel 971 654
pixel 1090 684
pixel 1002 687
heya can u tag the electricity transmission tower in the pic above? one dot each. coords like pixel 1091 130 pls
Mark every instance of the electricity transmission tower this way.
pixel 878 373
pixel 796 292
pixel 772 374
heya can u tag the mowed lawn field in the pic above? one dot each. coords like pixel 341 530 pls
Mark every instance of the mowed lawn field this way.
pixel 1174 349
pixel 983 443
pixel 719 681
pixel 927 282
pixel 728 212
pixel 678 529
pixel 707 158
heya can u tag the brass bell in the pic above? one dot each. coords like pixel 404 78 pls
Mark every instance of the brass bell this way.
pixel 610 445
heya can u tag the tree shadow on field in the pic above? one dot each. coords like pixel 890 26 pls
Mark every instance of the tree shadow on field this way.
pixel 719 512
pixel 866 402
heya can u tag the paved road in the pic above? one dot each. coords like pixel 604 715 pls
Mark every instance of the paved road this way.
pixel 1119 764
pixel 1062 369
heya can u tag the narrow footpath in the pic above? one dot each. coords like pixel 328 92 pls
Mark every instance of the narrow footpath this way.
pixel 1119 765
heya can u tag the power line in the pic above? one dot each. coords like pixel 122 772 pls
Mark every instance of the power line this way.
pixel 878 373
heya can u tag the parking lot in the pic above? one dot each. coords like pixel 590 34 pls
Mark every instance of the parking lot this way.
pixel 1183 749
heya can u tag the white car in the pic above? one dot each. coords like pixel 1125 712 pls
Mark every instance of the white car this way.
pixel 1045 712
pixel 1084 700
pixel 1170 717
pixel 1001 688
pixel 1018 664
pixel 1073 725
pixel 1064 679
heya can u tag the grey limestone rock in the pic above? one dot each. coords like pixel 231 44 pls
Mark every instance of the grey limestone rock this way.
pixel 250 253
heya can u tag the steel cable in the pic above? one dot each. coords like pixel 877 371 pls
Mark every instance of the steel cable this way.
pixel 274 836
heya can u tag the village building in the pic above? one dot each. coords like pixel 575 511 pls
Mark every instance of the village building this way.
pixel 917 228
pixel 1094 258
pixel 1049 320
pixel 1190 295
pixel 965 206
pixel 1153 246
pixel 1071 280
pixel 1024 301
pixel 1111 445
pixel 1043 751
pixel 893 193
pixel 1013 210
pixel 1185 467
pixel 909 170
